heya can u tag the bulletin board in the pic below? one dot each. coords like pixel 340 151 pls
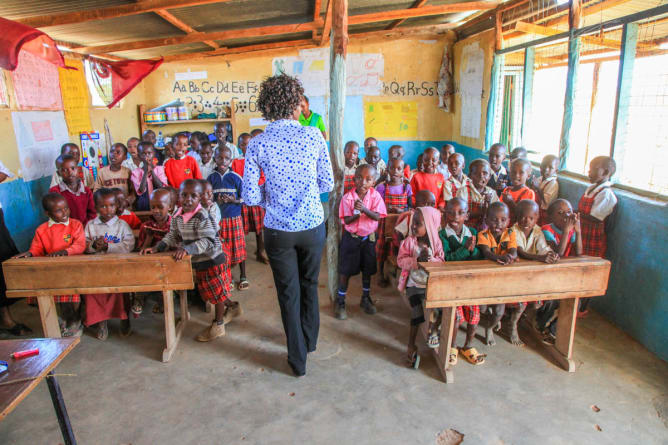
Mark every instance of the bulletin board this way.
pixel 391 120
pixel 74 92
pixel 36 84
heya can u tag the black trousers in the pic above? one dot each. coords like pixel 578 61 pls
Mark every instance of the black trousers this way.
pixel 295 262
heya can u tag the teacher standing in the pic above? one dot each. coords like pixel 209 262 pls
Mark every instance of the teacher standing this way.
pixel 296 165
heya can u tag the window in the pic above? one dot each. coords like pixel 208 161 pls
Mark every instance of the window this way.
pixel 98 86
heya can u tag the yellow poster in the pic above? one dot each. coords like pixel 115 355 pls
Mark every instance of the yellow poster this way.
pixel 74 90
pixel 391 120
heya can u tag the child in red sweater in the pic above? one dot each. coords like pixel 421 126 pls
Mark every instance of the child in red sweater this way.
pixel 122 211
pixel 79 197
pixel 182 166
pixel 428 178
pixel 520 169
pixel 60 236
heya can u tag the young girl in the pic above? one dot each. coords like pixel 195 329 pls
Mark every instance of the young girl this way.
pixel 115 175
pixel 206 163
pixel 192 233
pixel 397 196
pixel 457 179
pixel 372 157
pixel 429 179
pixel 107 234
pixel 423 244
pixel 447 150
pixel 182 167
pixel 133 160
pixel 418 167
pixel 499 179
pixel 147 177
pixel 227 186
pixel 351 157
pixel 209 204
pixel 477 194
pixel 547 188
pixel 596 205
pixel 520 169
pixel 79 197
pixel 122 211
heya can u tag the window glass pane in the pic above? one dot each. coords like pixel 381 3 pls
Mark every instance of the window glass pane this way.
pixel 93 86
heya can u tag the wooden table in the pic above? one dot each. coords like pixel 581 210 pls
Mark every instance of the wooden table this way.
pixel 44 277
pixel 463 283
pixel 30 371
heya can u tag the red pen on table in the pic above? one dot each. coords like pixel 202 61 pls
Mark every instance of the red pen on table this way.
pixel 23 354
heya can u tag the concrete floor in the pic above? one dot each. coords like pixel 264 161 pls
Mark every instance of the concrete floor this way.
pixel 239 390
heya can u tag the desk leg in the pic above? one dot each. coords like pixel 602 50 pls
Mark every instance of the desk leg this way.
pixel 443 351
pixel 183 299
pixel 59 406
pixel 563 346
pixel 173 331
pixel 49 316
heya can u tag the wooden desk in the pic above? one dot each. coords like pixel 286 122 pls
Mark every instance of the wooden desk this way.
pixel 462 283
pixel 98 274
pixel 34 369
pixel 143 215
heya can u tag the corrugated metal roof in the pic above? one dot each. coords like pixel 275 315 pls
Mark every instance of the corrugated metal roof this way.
pixel 14 9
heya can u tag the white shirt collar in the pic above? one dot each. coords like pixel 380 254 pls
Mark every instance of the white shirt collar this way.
pixel 502 171
pixel 593 189
pixel 63 187
pixel 125 212
pixel 111 222
pixel 449 231
pixel 52 222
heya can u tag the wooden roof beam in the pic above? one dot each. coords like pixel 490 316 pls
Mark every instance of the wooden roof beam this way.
pixel 426 11
pixel 183 26
pixel 417 4
pixel 530 28
pixel 327 29
pixel 140 7
pixel 317 6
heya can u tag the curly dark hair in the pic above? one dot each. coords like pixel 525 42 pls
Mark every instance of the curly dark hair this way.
pixel 279 96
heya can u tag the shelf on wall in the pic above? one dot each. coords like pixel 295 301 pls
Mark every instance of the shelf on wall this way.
pixel 190 121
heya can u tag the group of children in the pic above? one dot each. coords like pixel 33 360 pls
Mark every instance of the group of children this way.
pixel 198 215
pixel 494 213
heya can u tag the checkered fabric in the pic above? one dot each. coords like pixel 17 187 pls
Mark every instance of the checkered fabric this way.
pixel 476 214
pixel 253 218
pixel 394 200
pixel 348 183
pixel 471 314
pixel 214 283
pixel 594 240
pixel 233 238
pixel 76 298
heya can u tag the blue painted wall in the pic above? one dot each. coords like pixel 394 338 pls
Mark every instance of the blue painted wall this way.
pixel 22 206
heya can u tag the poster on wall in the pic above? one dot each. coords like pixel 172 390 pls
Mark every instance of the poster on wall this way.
pixel 92 149
pixel 470 89
pixel 36 83
pixel 364 73
pixel 39 135
pixel 74 91
pixel 391 120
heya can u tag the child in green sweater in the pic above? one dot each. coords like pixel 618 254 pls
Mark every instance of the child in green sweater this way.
pixel 459 244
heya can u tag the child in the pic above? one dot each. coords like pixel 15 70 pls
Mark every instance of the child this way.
pixel 477 194
pixel 397 197
pixel 83 173
pixel 457 179
pixel 182 167
pixel 423 244
pixel 520 169
pixel 115 175
pixel 459 244
pixel 107 234
pixel 518 153
pixel 192 233
pixel 133 160
pixel 60 236
pixel 220 131
pixel 372 158
pixel 253 216
pixel 197 138
pixel 209 204
pixel 149 136
pixel 370 142
pixel 360 210
pixel 429 179
pixel 227 186
pixel 206 165
pixel 351 158
pixel 423 198
pixel 79 197
pixel 419 165
pixel 547 188
pixel 242 142
pixel 147 177
pixel 596 205
pixel 446 151
pixel 499 179
pixel 122 211
pixel 256 132
pixel 396 152
pixel 499 244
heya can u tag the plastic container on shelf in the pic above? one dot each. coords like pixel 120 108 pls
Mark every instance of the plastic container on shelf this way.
pixel 172 113
pixel 183 113
pixel 152 117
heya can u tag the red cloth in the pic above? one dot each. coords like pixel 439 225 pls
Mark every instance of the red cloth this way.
pixel 233 238
pixel 81 207
pixel 156 230
pixel 594 240
pixel 16 37
pixel 253 218
pixel 407 171
pixel 213 283
pixel 124 74
pixel 238 168
pixel 348 183
pixel 101 307
pixel 133 220
pixel 429 181
pixel 178 170
pixel 59 237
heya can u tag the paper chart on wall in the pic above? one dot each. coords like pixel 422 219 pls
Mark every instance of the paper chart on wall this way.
pixel 75 97
pixel 470 89
pixel 39 135
pixel 364 73
pixel 391 120
pixel 36 83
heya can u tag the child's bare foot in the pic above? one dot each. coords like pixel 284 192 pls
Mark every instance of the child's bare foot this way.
pixel 489 337
pixel 102 331
pixel 497 328
pixel 515 338
pixel 261 257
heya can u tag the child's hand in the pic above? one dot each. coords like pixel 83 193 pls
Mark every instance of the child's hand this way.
pixel 424 255
pixel 576 223
pixel 359 205
pixel 504 259
pixel 99 244
pixel 179 254
pixel 470 244
pixel 58 253
pixel 23 255
pixel 507 198
pixel 147 251
pixel 551 257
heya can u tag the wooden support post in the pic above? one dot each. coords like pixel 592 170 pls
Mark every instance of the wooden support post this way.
pixel 563 345
pixel 491 102
pixel 173 330
pixel 626 61
pixel 527 89
pixel 337 85
pixel 49 316
pixel 575 21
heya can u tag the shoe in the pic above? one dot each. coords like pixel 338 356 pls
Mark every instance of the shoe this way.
pixel 367 305
pixel 212 332
pixel 296 372
pixel 232 311
pixel 340 311
pixel 126 329
pixel 549 339
pixel 102 331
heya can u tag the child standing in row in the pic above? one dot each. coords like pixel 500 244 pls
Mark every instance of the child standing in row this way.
pixel 147 177
pixel 84 174
pixel 123 212
pixel 547 188
pixel 115 175
pixel 520 169
pixel 351 158
pixel 499 179
pixel 457 179
pixel 359 210
pixel 477 194
pixel 429 179
pixel 372 158
pixel 446 151
pixel 79 197
pixel 133 159
pixel 182 167
pixel 206 163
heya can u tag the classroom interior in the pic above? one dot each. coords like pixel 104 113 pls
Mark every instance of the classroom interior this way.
pixel 577 78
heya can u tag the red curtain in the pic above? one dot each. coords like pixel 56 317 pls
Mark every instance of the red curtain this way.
pixel 114 80
pixel 16 37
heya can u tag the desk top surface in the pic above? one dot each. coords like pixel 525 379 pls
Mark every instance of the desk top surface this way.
pixel 100 258
pixel 481 266
pixel 51 352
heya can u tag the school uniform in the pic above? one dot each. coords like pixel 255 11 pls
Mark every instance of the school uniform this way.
pixel 119 238
pixel 129 217
pixel 232 233
pixel 357 250
pixel 208 168
pixel 129 163
pixel 518 195
pixel 550 188
pixel 443 169
pixel 398 196
pixel 178 170
pixel 348 178
pixel 429 181
pixel 108 178
pixel 380 166
pixel 252 216
pixel 507 241
pixel 155 230
pixel 497 178
pixel 598 202
pixel 143 202
pixel 80 201
pixel 84 174
pixel 534 244
pixel 553 234
pixel 452 185
pixel 476 203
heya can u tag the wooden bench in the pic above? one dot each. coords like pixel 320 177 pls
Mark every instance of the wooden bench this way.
pixel 463 283
pixel 44 277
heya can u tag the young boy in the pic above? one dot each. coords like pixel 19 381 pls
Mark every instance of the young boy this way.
pixel 107 234
pixel 115 175
pixel 547 188
pixel 209 204
pixel 83 173
pixel 147 177
pixel 133 160
pixel 79 197
pixel 182 167
pixel 459 244
pixel 520 169
pixel 149 136
pixel 122 211
pixel 60 236
pixel 206 164
pixel 192 233
pixel 227 186
pixel 359 210
pixel 499 244
pixel 446 151
pixel 457 179
pixel 499 179
pixel 351 158
pixel 477 194
pixel 518 153
pixel 372 158
pixel 419 165
pixel 252 216
pixel 429 179
pixel 220 131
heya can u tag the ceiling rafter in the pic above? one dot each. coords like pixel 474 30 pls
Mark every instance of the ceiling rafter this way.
pixel 417 4
pixel 183 26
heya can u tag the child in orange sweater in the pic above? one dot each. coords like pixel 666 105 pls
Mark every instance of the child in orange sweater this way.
pixel 60 236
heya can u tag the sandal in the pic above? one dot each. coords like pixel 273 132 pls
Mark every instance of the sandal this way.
pixel 452 358
pixel 242 284
pixel 473 356
pixel 158 309
pixel 137 307
pixel 414 360
pixel 434 341
pixel 72 330
pixel 102 331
